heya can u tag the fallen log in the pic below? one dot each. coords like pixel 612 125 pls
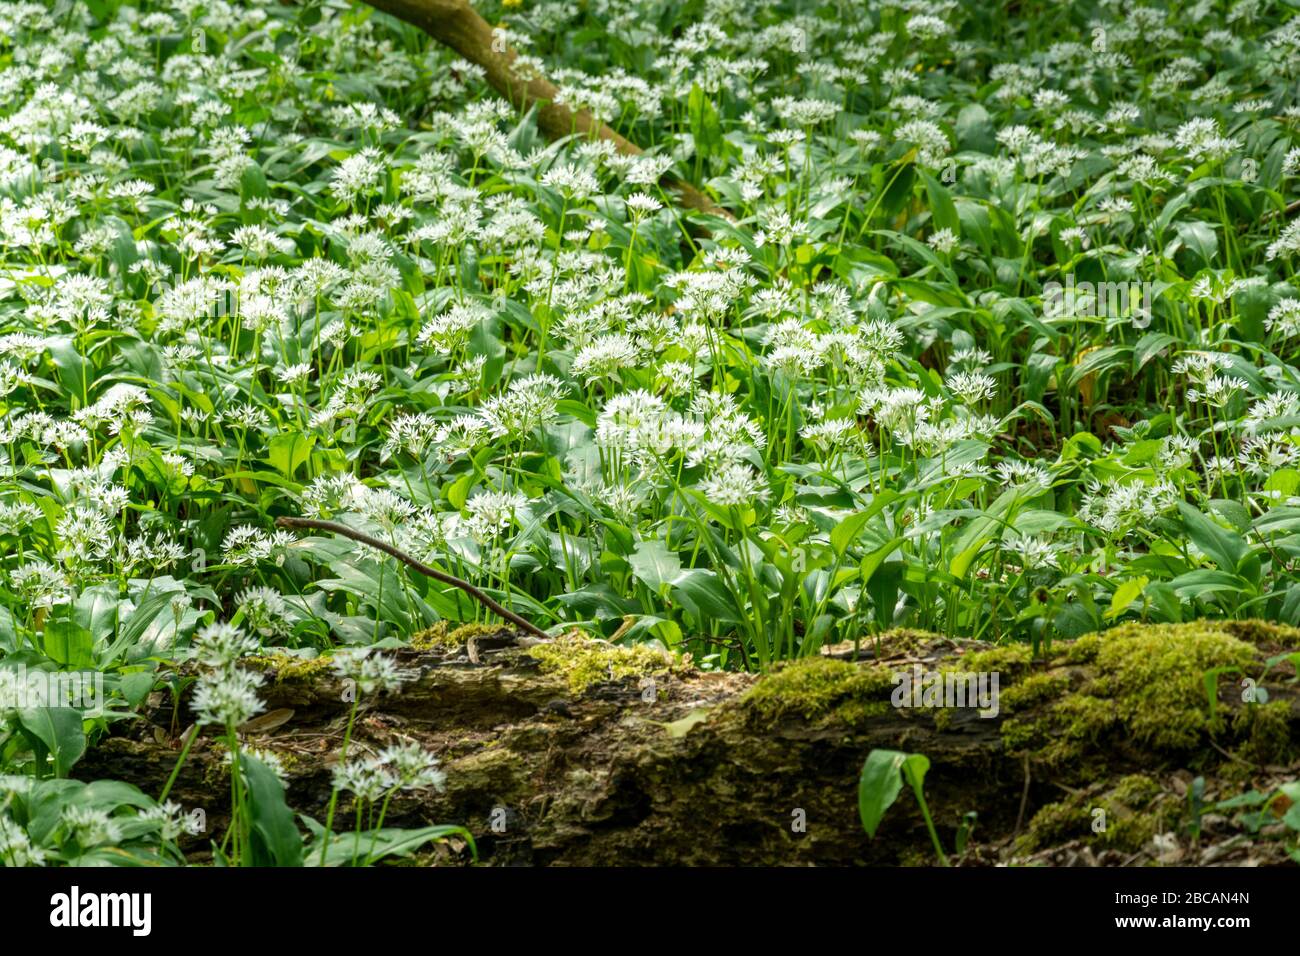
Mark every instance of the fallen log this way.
pixel 578 752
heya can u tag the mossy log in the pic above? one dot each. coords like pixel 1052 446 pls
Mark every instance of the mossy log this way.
pixel 581 752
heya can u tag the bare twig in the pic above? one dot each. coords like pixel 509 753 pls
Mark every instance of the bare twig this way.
pixel 400 555
pixel 1235 758
pixel 1024 799
pixel 1287 213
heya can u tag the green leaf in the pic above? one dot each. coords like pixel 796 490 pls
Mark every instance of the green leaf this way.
pixel 1164 602
pixel 706 596
pixel 136 686
pixel 1234 512
pixel 288 451
pixel 275 838
pixel 879 786
pixel 1124 595
pixel 914 769
pixel 882 586
pixel 252 183
pixel 485 342
pixel 1203 582
pixel 1149 346
pixel 1099 361
pixel 54 732
pixel 458 491
pixel 1285 481
pixel 706 127
pixel 842 534
pixel 974 128
pixel 979 531
pixel 69 644
pixel 372 845
pixel 73 370
pixel 136 625
pixel 872 561
pixel 942 211
pixel 654 564
pixel 1226 549
pixel 1200 238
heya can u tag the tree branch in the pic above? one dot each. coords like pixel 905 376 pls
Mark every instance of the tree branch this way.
pixel 457 25
pixel 420 566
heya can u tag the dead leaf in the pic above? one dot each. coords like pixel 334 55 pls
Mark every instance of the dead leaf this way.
pixel 678 728
pixel 267 722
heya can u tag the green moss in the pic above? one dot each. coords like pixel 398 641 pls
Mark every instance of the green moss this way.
pixel 1008 660
pixel 1267 732
pixel 1020 734
pixel 293 669
pixel 905 638
pixel 820 687
pixel 431 637
pixel 498 774
pixel 1155 676
pixel 584 662
pixel 1148 679
pixel 1057 823
pixel 1264 632
pixel 1135 791
pixel 1082 651
pixel 1133 812
pixel 1034 689
pixel 1137 808
pixel 1130 832
pixel 441 636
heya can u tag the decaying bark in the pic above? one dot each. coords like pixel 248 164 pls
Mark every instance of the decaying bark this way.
pixel 624 757
pixel 458 25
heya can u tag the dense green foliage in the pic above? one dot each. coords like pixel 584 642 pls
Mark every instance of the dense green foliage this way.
pixel 1001 341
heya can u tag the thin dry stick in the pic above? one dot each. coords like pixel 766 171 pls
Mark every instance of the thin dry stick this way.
pixel 1287 213
pixel 1024 798
pixel 444 577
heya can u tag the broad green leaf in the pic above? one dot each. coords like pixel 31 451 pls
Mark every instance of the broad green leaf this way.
pixel 275 838
pixel 1225 548
pixel 653 564
pixel 59 733
pixel 704 593
pixel 980 530
pixel 879 786
pixel 1124 595
pixel 69 644
pixel 288 451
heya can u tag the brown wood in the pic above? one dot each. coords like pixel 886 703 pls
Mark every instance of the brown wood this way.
pixel 458 25
pixel 676 766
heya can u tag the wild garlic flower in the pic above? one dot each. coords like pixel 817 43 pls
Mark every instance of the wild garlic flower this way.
pixel 228 697
pixel 90 826
pixel 413 767
pixel 372 673
pixel 16 847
